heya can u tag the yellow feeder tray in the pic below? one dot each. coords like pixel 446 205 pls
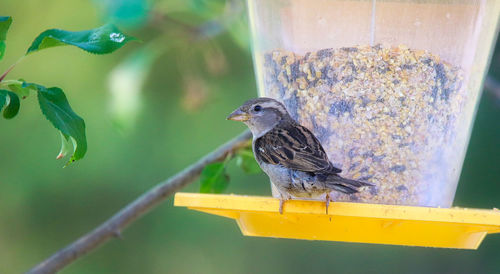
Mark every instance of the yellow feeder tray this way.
pixel 350 222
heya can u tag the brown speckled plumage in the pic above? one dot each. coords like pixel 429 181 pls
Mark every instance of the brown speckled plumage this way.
pixel 293 146
pixel 290 154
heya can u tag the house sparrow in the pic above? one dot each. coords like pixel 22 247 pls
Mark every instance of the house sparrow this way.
pixel 290 154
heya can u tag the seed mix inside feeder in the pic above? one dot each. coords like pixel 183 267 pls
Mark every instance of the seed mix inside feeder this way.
pixel 386 107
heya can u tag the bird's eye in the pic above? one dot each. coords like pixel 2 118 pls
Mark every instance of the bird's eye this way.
pixel 257 108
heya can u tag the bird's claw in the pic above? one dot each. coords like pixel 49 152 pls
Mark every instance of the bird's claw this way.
pixel 281 205
pixel 327 202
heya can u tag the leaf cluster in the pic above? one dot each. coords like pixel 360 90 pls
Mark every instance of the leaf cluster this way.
pixel 52 100
pixel 214 177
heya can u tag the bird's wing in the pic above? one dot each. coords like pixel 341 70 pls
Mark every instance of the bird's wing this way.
pixel 293 146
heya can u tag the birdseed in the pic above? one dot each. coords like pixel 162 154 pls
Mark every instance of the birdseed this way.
pixel 383 114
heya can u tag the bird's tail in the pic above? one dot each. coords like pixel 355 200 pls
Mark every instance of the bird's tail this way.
pixel 345 185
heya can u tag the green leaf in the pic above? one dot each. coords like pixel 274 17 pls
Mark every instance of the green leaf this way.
pixel 10 101
pixel 57 110
pixel 18 88
pixel 102 40
pixel 246 161
pixel 2 49
pixel 213 178
pixel 5 22
pixel 66 146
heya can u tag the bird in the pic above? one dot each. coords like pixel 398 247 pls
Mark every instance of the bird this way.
pixel 290 154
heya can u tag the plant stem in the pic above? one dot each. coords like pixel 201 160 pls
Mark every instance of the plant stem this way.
pixel 130 213
pixel 9 82
pixel 11 68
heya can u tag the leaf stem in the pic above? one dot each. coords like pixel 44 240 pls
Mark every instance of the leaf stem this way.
pixel 10 82
pixel 11 68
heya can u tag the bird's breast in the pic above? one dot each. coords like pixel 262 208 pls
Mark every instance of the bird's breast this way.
pixel 279 175
pixel 298 184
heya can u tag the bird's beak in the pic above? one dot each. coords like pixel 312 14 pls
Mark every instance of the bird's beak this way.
pixel 238 115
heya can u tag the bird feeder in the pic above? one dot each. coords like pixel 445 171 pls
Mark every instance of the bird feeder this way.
pixel 390 88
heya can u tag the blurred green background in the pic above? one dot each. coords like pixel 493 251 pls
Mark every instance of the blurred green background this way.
pixel 194 67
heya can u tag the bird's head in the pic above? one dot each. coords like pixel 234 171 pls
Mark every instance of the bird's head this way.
pixel 260 114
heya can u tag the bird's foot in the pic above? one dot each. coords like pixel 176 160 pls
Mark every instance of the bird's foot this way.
pixel 327 202
pixel 283 199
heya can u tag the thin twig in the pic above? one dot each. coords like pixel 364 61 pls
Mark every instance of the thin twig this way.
pixel 113 226
pixel 11 68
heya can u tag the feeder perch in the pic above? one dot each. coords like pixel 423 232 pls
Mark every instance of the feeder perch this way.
pixel 350 222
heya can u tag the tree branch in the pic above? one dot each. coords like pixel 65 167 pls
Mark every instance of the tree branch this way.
pixel 147 201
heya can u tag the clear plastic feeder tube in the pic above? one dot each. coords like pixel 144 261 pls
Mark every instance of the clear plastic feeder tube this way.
pixel 389 87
